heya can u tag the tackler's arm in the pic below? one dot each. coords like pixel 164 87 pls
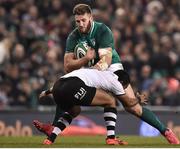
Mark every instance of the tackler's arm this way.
pixel 45 93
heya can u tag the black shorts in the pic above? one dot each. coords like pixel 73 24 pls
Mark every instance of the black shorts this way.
pixel 71 91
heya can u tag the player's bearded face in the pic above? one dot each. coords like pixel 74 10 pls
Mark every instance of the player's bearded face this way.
pixel 83 22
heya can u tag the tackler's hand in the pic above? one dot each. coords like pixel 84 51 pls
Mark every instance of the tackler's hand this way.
pixel 142 98
pixel 42 94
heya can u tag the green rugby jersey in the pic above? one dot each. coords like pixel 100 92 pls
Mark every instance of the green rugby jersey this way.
pixel 100 36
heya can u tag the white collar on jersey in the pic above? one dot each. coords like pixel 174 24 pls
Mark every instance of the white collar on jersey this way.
pixel 91 29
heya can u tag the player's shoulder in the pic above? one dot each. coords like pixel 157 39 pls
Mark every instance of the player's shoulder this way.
pixel 101 26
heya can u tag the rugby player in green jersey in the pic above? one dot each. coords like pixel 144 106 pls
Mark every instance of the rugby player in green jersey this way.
pixel 98 37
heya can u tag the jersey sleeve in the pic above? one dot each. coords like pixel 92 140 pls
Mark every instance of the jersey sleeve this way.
pixel 118 89
pixel 105 37
pixel 70 43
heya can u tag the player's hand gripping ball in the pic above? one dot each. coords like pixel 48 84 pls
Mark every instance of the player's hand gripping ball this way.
pixel 80 51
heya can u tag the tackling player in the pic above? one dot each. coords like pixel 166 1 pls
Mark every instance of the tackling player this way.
pixel 90 88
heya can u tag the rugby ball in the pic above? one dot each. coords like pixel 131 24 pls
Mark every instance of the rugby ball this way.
pixel 80 51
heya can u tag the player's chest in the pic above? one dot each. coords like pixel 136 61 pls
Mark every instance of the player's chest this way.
pixel 89 41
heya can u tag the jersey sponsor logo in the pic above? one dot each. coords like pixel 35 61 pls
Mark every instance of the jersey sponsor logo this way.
pixel 91 42
pixel 85 44
pixel 80 94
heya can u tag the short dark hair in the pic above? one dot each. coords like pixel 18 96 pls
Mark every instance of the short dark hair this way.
pixel 81 9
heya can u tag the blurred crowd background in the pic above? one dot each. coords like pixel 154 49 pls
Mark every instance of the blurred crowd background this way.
pixel 32 44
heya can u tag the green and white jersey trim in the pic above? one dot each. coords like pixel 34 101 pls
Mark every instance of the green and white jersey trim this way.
pixel 92 28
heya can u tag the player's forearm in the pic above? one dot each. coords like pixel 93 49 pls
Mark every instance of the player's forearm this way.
pixel 105 55
pixel 104 62
pixel 75 64
pixel 48 91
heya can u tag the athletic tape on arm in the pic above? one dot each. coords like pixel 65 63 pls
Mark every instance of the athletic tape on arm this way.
pixel 102 64
pixel 103 53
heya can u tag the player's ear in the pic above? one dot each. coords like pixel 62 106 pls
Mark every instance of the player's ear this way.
pixel 91 18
